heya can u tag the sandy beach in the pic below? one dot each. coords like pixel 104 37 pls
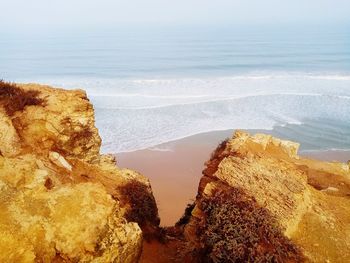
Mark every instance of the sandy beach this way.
pixel 174 169
pixel 329 156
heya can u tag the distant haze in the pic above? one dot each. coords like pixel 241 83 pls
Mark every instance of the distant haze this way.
pixel 34 14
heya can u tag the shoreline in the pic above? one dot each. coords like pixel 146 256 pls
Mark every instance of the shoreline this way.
pixel 174 171
pixel 333 155
pixel 175 168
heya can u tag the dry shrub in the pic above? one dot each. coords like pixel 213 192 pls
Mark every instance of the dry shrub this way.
pixel 143 210
pixel 237 229
pixel 216 157
pixel 14 99
pixel 186 216
pixel 81 138
pixel 143 205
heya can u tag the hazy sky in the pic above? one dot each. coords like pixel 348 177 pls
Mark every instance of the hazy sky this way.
pixel 85 13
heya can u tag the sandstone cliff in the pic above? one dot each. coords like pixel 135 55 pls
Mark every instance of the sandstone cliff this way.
pixel 60 200
pixel 258 201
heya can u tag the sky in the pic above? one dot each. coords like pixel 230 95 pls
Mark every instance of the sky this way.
pixel 33 14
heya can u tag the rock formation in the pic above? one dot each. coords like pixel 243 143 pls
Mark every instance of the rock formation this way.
pixel 60 200
pixel 258 201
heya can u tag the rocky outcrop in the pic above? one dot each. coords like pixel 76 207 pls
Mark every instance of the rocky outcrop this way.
pixel 258 201
pixel 60 200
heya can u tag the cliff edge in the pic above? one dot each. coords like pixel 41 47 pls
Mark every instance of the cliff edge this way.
pixel 60 199
pixel 258 201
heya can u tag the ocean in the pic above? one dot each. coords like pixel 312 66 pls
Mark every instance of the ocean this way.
pixel 154 85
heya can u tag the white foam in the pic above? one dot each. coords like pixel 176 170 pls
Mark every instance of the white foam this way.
pixel 326 150
pixel 160 149
pixel 136 114
pixel 331 77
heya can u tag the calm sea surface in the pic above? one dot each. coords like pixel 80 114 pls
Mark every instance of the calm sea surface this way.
pixel 150 86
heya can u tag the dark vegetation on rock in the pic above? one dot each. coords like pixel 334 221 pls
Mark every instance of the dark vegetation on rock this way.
pixel 216 157
pixel 80 138
pixel 14 99
pixel 143 210
pixel 237 229
pixel 186 216
pixel 144 207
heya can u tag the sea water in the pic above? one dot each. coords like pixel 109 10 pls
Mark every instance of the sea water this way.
pixel 154 85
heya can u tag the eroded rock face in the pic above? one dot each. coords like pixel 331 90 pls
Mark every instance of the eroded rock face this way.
pixel 60 200
pixel 258 201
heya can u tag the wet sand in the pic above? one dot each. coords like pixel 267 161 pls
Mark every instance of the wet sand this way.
pixel 175 168
pixel 329 156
